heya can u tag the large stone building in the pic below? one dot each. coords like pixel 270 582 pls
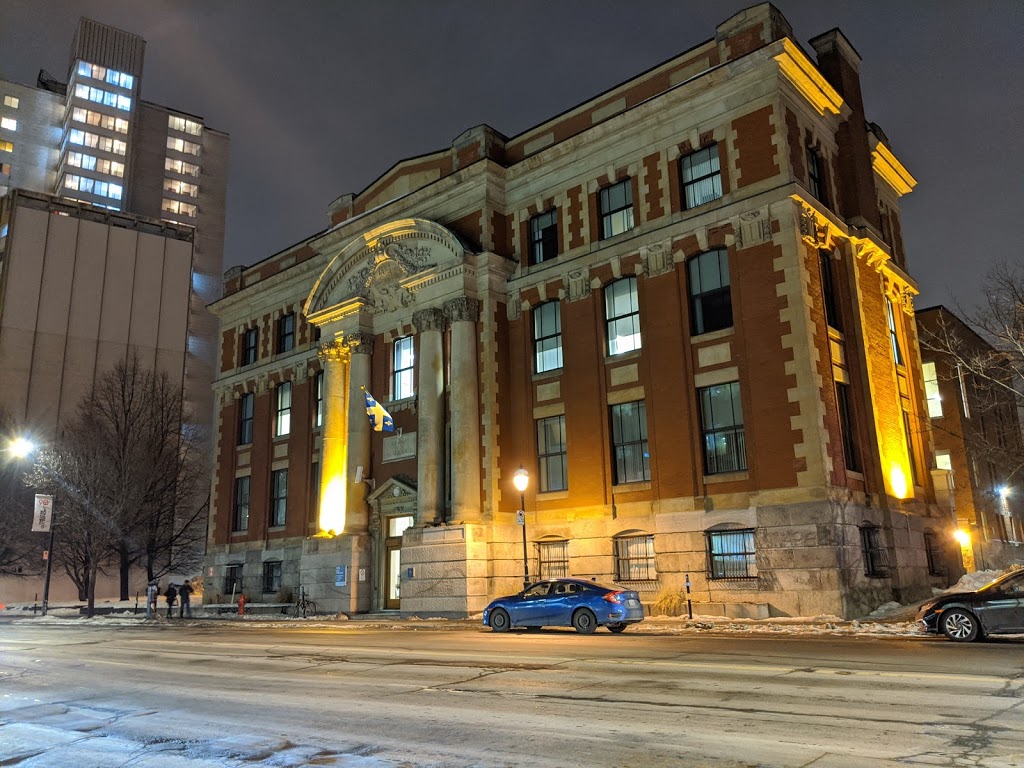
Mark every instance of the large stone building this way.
pixel 682 306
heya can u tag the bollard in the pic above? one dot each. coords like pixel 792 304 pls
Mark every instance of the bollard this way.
pixel 689 605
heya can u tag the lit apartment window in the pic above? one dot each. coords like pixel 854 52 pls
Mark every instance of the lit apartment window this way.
pixel 119 78
pixel 285 333
pixel 875 562
pixel 8 123
pixel 634 558
pixel 246 404
pixel 6 146
pixel 278 497
pixel 547 336
pixel 180 166
pixel 319 399
pixel 180 187
pixel 5 169
pixel 894 338
pixel 191 127
pixel 702 176
pixel 615 205
pixel 731 554
pixel 710 296
pixel 180 145
pixel 622 316
pixel 851 448
pixel 629 443
pixel 176 206
pixel 241 516
pixel 249 339
pixel 943 460
pixel 271 577
pixel 402 369
pixel 544 237
pixel 725 447
pixel 931 390
pixel 815 175
pixel 551 454
pixel 553 558
pixel 283 422
pixel 11 101
pixel 828 290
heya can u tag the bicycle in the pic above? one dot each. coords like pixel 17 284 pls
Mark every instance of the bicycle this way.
pixel 304 605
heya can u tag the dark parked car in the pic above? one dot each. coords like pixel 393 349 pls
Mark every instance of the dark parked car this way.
pixel 996 608
pixel 583 605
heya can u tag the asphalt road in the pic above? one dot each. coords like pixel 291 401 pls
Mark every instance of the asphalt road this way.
pixel 242 694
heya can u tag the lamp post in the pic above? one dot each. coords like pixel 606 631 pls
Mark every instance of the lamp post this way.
pixel 21 448
pixel 521 479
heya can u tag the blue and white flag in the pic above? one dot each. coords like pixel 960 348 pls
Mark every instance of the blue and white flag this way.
pixel 380 419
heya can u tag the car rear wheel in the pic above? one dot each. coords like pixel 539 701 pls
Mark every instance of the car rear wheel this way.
pixel 959 625
pixel 584 621
pixel 499 620
pixel 616 628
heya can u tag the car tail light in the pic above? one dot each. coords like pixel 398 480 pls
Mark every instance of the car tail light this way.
pixel 614 597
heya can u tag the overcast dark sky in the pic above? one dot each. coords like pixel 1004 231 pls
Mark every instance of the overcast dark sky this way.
pixel 322 97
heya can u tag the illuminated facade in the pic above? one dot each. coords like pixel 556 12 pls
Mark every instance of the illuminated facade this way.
pixel 682 306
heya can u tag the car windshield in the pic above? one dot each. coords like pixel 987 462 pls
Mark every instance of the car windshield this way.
pixel 1011 582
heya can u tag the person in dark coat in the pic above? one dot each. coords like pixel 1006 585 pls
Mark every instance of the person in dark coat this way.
pixel 171 594
pixel 186 596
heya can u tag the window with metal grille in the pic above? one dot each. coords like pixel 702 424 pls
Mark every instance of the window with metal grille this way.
pixel 725 446
pixel 934 554
pixel 241 510
pixel 403 364
pixel 271 576
pixel 710 297
pixel 283 422
pixel 634 558
pixel 629 442
pixel 278 497
pixel 233 580
pixel 876 564
pixel 547 336
pixel 249 340
pixel 285 333
pixel 544 236
pixel 551 454
pixel 701 173
pixel 851 447
pixel 816 175
pixel 553 559
pixel 245 411
pixel 616 208
pixel 894 338
pixel 828 290
pixel 731 554
pixel 622 316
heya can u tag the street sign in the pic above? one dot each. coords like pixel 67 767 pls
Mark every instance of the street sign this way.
pixel 46 554
pixel 520 517
pixel 341 576
pixel 43 514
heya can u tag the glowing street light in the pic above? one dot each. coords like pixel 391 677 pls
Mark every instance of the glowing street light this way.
pixel 521 479
pixel 20 447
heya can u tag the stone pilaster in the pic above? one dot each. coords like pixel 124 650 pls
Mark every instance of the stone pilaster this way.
pixel 357 517
pixel 463 313
pixel 430 437
pixel 334 355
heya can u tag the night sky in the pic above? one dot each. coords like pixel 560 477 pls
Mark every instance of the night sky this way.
pixel 320 98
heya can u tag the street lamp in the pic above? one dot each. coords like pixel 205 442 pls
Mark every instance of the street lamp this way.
pixel 21 448
pixel 521 479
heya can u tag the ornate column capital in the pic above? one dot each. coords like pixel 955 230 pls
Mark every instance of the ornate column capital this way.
pixel 362 343
pixel 462 308
pixel 336 351
pixel 428 320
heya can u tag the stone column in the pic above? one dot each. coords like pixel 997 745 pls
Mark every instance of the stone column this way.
pixel 357 517
pixel 464 395
pixel 334 356
pixel 430 455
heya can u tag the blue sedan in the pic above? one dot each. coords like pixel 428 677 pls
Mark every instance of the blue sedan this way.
pixel 577 603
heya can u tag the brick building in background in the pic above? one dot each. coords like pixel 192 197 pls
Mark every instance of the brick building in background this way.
pixel 683 306
pixel 977 435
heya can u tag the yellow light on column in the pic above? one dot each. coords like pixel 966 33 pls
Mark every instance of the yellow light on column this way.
pixel 963 538
pixel 898 481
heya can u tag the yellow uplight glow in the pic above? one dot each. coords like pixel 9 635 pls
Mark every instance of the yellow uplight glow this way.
pixel 898 481
pixel 332 507
pixel 963 537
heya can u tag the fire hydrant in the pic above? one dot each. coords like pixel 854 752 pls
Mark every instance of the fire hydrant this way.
pixel 241 605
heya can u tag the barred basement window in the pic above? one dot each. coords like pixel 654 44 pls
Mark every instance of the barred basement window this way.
pixel 271 576
pixel 553 557
pixel 634 558
pixel 876 564
pixel 731 554
pixel 233 580
pixel 934 554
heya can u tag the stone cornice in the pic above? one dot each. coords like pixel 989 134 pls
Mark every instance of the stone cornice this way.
pixel 891 170
pixel 805 77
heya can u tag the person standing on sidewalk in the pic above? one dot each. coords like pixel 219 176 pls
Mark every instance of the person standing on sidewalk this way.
pixel 186 595
pixel 171 594
pixel 151 594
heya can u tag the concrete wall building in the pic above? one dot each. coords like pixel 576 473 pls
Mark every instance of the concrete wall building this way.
pixel 682 306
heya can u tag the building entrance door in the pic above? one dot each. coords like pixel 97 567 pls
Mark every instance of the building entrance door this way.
pixel 393 561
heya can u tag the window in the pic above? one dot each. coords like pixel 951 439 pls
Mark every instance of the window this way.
pixel 241 516
pixel 828 291
pixel 933 554
pixel 285 333
pixel 731 554
pixel 11 101
pixel 616 208
pixel 544 237
pixel 319 399
pixel 629 443
pixel 176 206
pixel 6 146
pixel 180 145
pixel 931 390
pixel 725 447
pixel 283 423
pixel 315 488
pixel 553 559
pixel 404 362
pixel 911 452
pixel 180 187
pixel 894 338
pixel 9 123
pixel 943 460
pixel 249 339
pixel 702 177
pixel 710 298
pixel 816 175
pixel 875 563
pixel 233 580
pixel 245 412
pixel 851 449
pixel 634 558
pixel 551 454
pixel 278 497
pixel 622 316
pixel 547 336
pixel 180 166
pixel 271 577
pixel 191 127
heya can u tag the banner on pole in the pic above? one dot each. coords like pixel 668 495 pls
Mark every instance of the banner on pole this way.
pixel 43 517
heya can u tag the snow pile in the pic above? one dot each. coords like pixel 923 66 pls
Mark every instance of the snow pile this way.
pixel 969 582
